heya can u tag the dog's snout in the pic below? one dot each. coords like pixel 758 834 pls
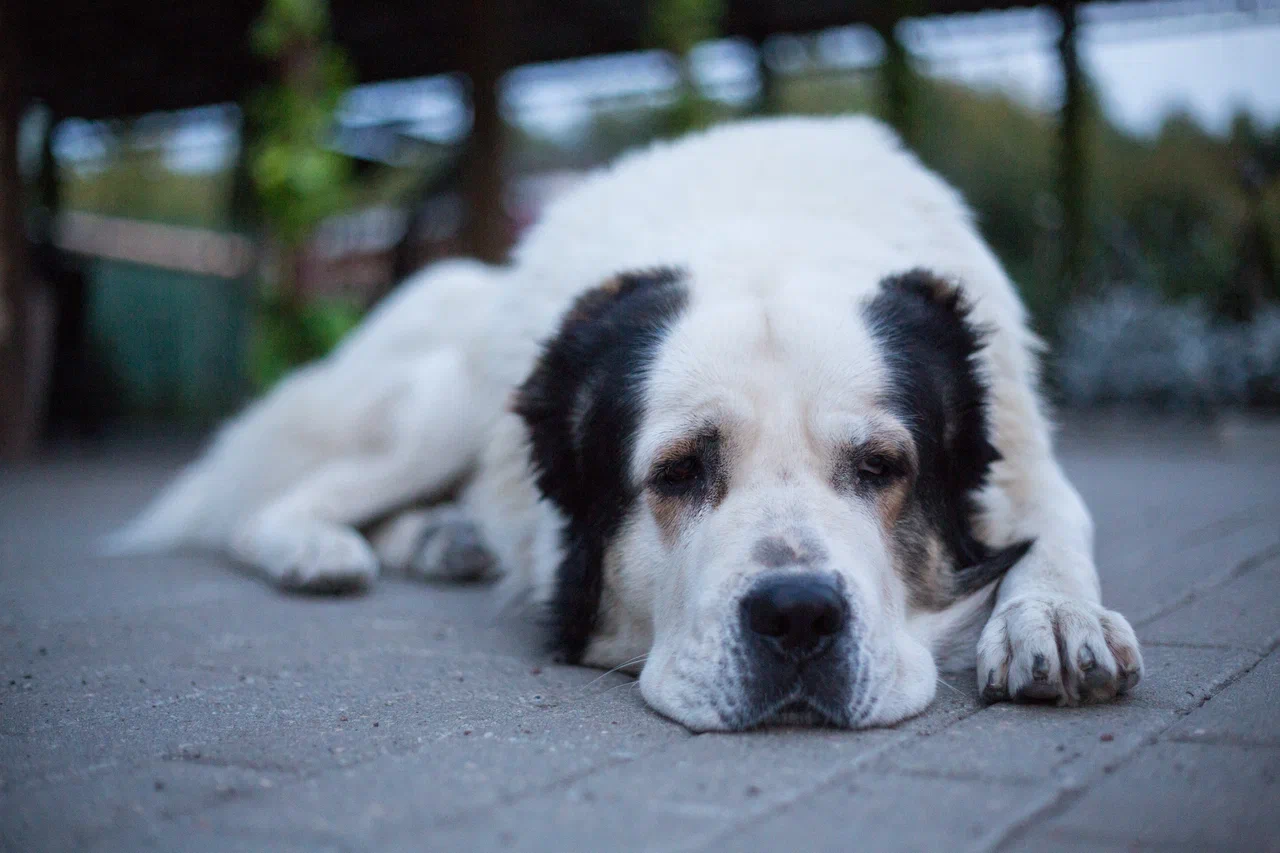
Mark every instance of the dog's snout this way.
pixel 796 612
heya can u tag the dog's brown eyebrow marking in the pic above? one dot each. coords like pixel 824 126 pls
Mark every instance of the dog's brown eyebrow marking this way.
pixel 678 449
pixel 669 511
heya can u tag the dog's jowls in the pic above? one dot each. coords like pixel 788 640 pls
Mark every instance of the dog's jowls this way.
pixel 753 414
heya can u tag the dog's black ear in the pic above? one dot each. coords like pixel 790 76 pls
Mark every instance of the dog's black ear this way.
pixel 581 405
pixel 924 327
pixel 993 566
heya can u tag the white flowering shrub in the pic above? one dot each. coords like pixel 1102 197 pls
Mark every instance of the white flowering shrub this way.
pixel 1129 346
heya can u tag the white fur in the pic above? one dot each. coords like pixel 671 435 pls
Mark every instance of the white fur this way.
pixel 399 412
pixel 782 227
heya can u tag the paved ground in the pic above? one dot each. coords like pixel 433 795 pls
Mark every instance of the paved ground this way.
pixel 173 704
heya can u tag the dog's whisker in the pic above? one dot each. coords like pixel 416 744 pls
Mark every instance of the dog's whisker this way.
pixel 622 665
pixel 950 687
pixel 632 684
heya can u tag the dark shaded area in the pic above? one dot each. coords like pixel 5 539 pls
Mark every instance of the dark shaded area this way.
pixel 127 57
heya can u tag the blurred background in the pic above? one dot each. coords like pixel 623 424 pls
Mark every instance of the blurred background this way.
pixel 196 197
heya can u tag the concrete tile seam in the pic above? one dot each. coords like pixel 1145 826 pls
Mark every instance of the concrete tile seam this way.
pixel 1080 839
pixel 1068 795
pixel 995 837
pixel 1247 565
pixel 950 776
pixel 1224 740
pixel 1262 512
pixel 1210 647
pixel 778 805
pixel 460 816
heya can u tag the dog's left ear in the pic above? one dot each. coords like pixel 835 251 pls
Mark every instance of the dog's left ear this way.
pixel 581 406
pixel 923 324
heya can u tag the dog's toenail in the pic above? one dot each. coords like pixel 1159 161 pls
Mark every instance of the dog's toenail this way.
pixel 992 692
pixel 1040 668
pixel 1087 660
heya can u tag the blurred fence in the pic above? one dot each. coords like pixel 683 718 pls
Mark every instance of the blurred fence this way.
pixel 168 314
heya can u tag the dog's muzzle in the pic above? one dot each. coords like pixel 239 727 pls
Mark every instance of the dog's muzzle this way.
pixel 796 635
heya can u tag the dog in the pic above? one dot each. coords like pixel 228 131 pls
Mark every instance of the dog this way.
pixel 753 414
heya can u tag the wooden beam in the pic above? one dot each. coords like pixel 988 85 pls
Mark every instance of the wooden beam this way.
pixel 895 79
pixel 17 427
pixel 486 42
pixel 766 101
pixel 1072 153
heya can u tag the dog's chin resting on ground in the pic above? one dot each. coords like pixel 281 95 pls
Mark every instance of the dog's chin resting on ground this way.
pixel 753 414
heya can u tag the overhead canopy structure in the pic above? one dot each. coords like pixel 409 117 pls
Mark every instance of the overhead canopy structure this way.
pixel 120 58
pixel 128 57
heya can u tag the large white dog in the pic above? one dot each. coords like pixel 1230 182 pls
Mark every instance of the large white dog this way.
pixel 754 413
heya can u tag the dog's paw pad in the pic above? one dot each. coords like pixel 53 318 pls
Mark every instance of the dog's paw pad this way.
pixel 452 550
pixel 1057 650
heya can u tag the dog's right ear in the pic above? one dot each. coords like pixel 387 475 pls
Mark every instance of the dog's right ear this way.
pixel 588 374
pixel 581 406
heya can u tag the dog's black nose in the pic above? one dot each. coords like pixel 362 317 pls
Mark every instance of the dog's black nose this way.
pixel 795 612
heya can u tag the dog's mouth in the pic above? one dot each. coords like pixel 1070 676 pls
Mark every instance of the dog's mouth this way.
pixel 797 710
pixel 798 713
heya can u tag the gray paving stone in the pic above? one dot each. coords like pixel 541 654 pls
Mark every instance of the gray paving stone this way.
pixel 1183 677
pixel 1038 840
pixel 692 791
pixel 294 721
pixel 1247 712
pixel 1027 743
pixel 86 810
pixel 889 813
pixel 1033 742
pixel 1244 613
pixel 1213 797
pixel 400 799
pixel 182 671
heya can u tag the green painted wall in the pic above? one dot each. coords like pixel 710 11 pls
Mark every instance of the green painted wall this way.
pixel 172 343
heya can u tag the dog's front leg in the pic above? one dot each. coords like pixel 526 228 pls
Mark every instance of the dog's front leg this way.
pixel 1049 637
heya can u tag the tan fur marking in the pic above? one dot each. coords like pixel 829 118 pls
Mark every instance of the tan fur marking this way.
pixel 889 505
pixel 667 512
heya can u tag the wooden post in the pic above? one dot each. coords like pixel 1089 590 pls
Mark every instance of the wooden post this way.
pixel 767 97
pixel 485 51
pixel 1072 175
pixel 896 81
pixel 17 429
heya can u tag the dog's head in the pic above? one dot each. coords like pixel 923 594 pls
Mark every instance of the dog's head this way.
pixel 761 494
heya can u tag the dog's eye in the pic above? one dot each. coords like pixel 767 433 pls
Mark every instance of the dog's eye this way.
pixel 679 475
pixel 875 469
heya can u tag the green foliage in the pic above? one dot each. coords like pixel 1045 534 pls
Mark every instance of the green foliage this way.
pixel 680 25
pixel 287 21
pixel 286 336
pixel 1169 213
pixel 138 185
pixel 298 178
pixel 1178 214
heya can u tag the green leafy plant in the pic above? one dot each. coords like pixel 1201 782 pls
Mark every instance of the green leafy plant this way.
pixel 298 178
pixel 286 336
pixel 678 26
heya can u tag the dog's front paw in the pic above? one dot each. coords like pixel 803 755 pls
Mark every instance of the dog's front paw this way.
pixel 307 557
pixel 1063 650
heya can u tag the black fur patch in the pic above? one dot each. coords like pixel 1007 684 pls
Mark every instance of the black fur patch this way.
pixel 922 324
pixel 582 406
